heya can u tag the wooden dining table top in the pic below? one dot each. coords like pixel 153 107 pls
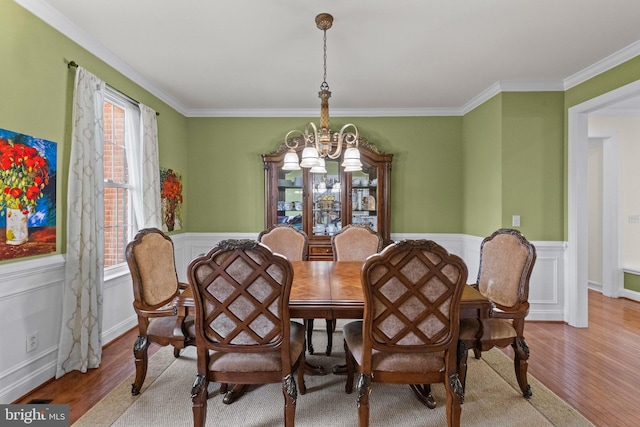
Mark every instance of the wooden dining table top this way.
pixel 333 290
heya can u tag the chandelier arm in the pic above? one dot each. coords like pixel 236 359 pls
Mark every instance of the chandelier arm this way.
pixel 312 138
pixel 287 140
pixel 338 150
pixel 348 134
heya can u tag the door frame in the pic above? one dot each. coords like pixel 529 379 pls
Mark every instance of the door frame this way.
pixel 576 283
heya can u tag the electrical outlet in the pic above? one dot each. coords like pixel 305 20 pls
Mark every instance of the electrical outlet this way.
pixel 32 341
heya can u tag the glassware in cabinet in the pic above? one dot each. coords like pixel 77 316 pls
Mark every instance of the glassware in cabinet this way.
pixel 327 200
pixel 290 203
pixel 364 196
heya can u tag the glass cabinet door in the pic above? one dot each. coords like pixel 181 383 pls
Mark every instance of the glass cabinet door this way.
pixel 364 196
pixel 327 200
pixel 290 198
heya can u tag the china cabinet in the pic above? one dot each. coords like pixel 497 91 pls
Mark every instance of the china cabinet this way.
pixel 320 204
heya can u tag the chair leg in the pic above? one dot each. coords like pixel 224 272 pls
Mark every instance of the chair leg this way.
pixel 364 389
pixel 141 359
pixel 290 396
pixel 302 387
pixel 309 326
pixel 331 326
pixel 455 397
pixel 477 353
pixel 351 367
pixel 199 400
pixel 463 354
pixel 520 364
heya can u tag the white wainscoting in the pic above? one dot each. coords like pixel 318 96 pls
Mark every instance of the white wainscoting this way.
pixel 31 295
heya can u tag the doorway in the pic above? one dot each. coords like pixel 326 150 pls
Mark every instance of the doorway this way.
pixel 576 283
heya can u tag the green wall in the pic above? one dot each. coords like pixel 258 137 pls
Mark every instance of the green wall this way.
pixel 36 90
pixel 226 178
pixel 632 282
pixel 482 168
pixel 533 163
pixel 513 164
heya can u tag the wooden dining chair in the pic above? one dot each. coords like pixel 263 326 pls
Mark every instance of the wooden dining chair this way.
pixel 156 289
pixel 243 331
pixel 506 262
pixel 286 240
pixel 409 334
pixel 354 242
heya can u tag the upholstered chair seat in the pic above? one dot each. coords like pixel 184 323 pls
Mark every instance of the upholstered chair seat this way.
pixel 491 329
pixel 267 361
pixel 389 361
pixel 164 326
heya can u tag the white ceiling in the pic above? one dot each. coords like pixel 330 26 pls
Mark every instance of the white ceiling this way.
pixel 402 57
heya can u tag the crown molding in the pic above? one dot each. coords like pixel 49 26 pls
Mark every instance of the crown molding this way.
pixel 58 21
pixel 611 61
pixel 512 86
pixel 335 112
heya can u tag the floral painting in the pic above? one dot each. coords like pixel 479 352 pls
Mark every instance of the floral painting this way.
pixel 27 195
pixel 171 193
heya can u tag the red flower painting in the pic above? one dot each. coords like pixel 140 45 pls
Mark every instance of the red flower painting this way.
pixel 24 172
pixel 171 194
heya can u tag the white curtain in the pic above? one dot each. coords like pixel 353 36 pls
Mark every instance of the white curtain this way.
pixel 144 152
pixel 80 346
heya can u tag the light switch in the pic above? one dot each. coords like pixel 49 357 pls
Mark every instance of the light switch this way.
pixel 515 221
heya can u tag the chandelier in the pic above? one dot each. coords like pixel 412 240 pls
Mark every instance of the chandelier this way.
pixel 321 144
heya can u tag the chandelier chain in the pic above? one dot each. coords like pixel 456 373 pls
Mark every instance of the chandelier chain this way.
pixel 324 85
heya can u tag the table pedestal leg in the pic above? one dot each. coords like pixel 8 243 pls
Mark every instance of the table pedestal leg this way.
pixel 423 394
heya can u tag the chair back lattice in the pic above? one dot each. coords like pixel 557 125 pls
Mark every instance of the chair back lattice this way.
pixel 412 295
pixel 151 261
pixel 355 242
pixel 286 240
pixel 506 262
pixel 241 291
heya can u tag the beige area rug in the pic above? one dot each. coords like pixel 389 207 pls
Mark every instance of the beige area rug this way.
pixel 492 399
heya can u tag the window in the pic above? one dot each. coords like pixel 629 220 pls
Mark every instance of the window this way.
pixel 119 222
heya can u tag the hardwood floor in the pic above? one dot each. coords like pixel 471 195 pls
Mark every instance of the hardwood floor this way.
pixel 82 391
pixel 594 369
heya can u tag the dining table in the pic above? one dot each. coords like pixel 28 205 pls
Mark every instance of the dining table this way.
pixel 333 290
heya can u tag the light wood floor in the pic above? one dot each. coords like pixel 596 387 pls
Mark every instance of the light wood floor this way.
pixel 594 369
